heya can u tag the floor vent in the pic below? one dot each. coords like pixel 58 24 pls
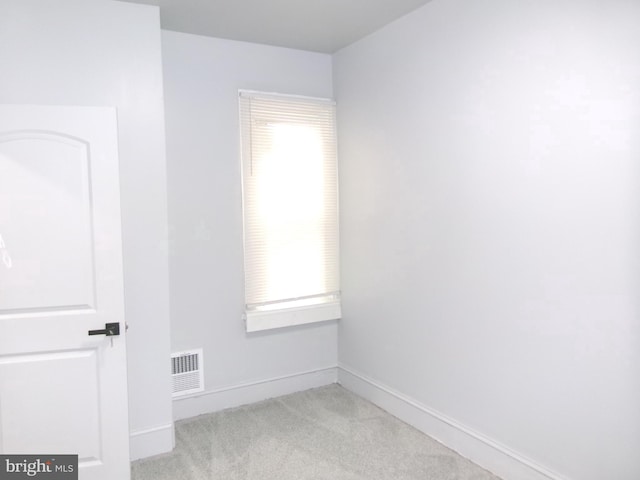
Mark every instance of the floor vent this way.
pixel 187 372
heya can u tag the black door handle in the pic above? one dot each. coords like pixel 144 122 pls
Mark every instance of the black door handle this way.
pixel 110 330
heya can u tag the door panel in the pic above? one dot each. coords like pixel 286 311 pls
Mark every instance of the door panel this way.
pixel 23 415
pixel 61 390
pixel 45 179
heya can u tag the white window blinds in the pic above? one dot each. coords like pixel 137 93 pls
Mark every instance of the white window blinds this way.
pixel 290 204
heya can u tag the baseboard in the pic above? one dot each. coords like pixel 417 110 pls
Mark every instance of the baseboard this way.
pixel 245 393
pixel 151 441
pixel 489 454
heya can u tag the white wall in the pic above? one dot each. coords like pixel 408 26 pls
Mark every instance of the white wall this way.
pixel 104 53
pixel 202 78
pixel 490 197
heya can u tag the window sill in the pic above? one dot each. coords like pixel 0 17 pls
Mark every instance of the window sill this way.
pixel 267 320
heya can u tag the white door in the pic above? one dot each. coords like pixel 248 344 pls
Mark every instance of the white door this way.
pixel 62 391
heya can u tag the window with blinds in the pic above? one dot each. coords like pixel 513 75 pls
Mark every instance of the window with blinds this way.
pixel 290 206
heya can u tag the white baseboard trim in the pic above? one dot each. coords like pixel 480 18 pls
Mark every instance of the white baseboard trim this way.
pixel 251 392
pixel 151 441
pixel 481 450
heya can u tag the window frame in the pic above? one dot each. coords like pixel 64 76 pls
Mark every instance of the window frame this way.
pixel 292 311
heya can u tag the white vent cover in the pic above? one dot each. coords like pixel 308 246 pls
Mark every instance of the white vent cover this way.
pixel 187 372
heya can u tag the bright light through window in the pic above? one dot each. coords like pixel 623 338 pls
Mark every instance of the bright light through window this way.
pixel 290 203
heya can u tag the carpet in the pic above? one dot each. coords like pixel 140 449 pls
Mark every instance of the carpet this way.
pixel 325 433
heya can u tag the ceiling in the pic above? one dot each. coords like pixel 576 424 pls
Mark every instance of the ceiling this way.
pixel 315 25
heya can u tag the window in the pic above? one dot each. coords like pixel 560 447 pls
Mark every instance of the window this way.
pixel 290 206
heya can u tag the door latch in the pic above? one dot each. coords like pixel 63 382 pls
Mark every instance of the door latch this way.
pixel 110 330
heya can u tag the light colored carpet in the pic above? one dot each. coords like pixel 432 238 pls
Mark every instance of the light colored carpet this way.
pixel 326 433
